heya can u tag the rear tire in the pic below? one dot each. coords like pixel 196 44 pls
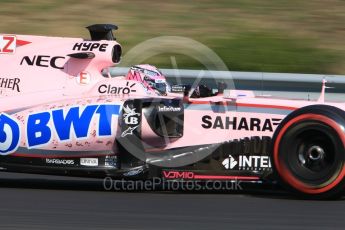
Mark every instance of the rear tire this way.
pixel 308 152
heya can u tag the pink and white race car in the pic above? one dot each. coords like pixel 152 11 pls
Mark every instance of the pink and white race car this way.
pixel 61 113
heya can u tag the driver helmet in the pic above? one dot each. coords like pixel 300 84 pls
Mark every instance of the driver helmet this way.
pixel 151 78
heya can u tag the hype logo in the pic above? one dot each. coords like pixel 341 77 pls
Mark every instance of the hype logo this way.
pixel 9 135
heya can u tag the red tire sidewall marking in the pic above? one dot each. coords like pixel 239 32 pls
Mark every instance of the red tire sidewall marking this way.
pixel 286 175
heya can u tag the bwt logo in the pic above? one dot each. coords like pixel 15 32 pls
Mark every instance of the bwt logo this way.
pixel 9 135
pixel 72 122
pixel 67 124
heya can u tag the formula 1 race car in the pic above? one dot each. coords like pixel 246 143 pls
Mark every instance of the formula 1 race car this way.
pixel 62 113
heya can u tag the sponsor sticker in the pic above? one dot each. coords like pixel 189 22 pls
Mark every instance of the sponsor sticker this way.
pixel 10 83
pixel 68 123
pixel 117 90
pixel 8 44
pixel 83 78
pixel 90 46
pixel 89 161
pixel 9 134
pixel 250 163
pixel 229 163
pixel 56 62
pixel 178 175
pixel 160 81
pixel 129 131
pixel 59 161
pixel 239 123
pixel 110 161
pixel 178 88
pixel 130 118
pixel 165 108
pixel 134 172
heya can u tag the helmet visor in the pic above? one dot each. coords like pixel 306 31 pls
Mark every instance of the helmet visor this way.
pixel 161 87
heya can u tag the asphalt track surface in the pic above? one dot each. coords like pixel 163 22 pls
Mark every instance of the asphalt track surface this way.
pixel 48 202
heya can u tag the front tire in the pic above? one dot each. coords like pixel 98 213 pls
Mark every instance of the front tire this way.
pixel 308 152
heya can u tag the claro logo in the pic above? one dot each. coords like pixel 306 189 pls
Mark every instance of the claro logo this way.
pixel 110 89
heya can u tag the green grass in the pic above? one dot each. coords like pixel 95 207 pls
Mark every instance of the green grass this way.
pixel 249 35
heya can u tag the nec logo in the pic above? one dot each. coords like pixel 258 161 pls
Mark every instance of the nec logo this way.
pixel 7 44
pixel 44 61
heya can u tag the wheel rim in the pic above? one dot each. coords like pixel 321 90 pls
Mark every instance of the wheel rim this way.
pixel 313 159
pixel 287 171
